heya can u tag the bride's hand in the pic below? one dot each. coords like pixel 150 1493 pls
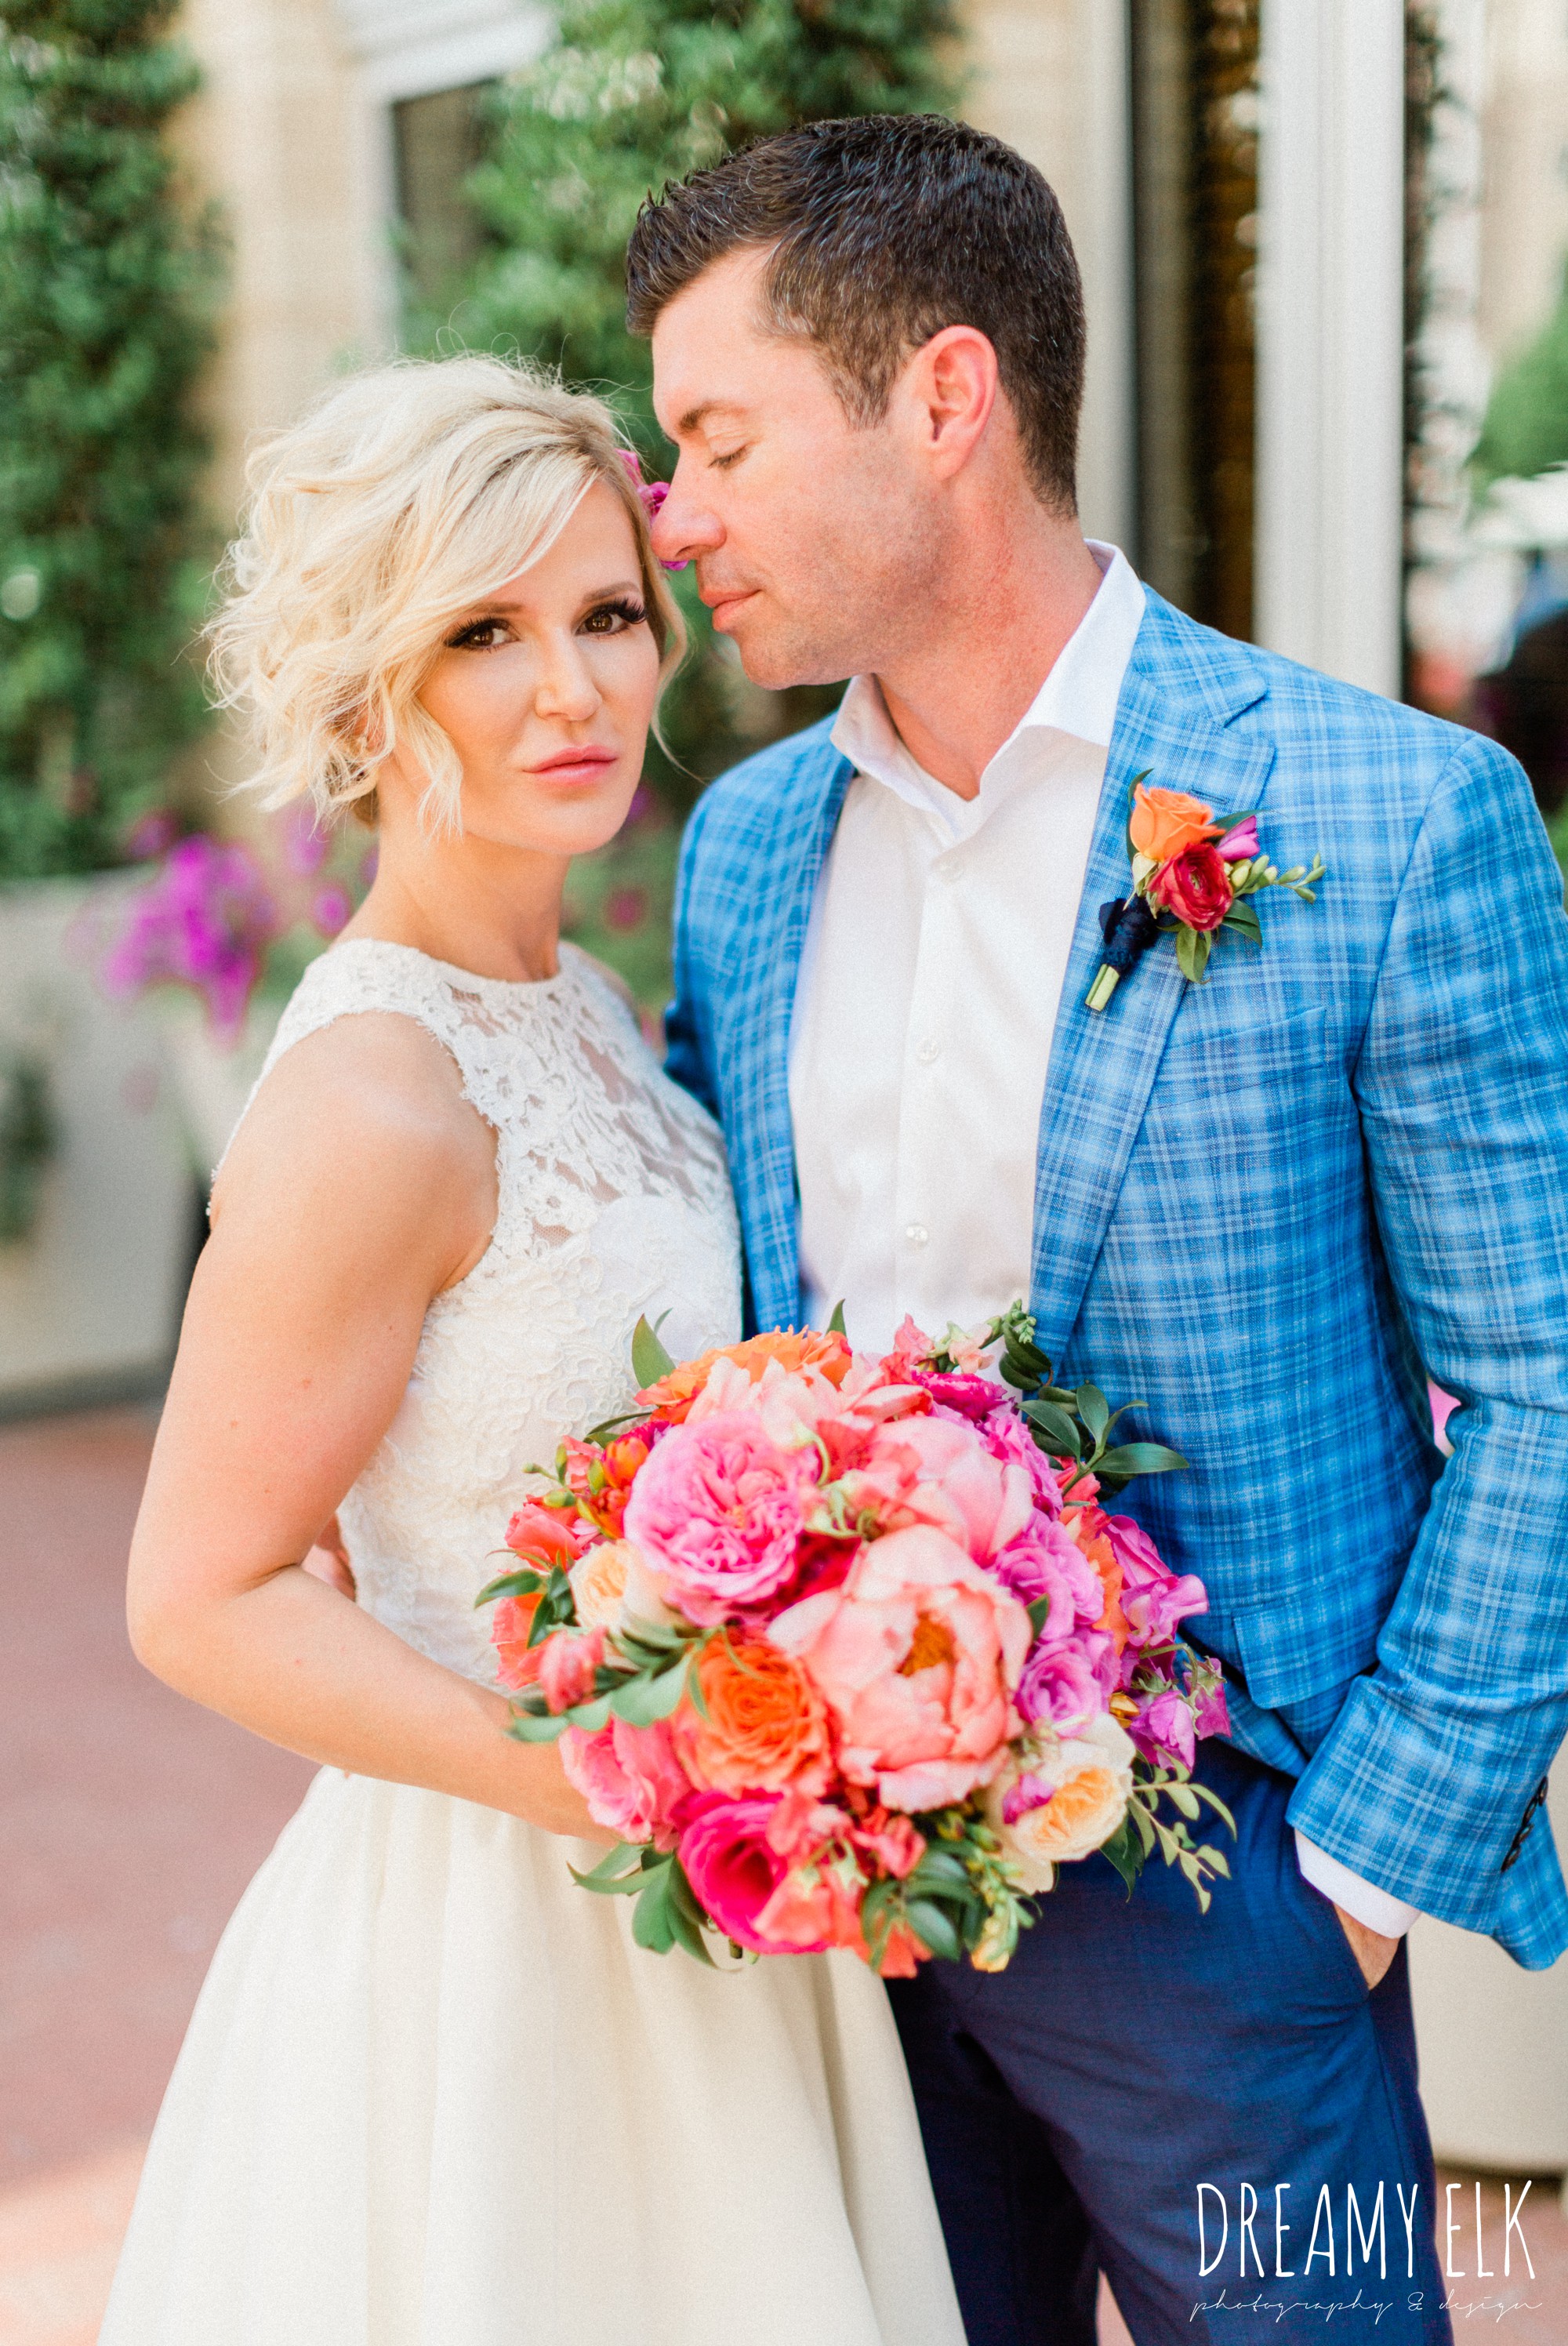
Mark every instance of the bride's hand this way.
pixel 329 1561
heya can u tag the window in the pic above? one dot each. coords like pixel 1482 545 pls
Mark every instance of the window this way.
pixel 437 142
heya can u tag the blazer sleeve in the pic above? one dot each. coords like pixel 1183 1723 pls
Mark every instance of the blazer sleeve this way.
pixel 1422 1782
pixel 687 1026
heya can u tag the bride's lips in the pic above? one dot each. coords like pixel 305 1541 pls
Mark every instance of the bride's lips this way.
pixel 580 765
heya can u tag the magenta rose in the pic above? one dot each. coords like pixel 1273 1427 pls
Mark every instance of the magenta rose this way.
pixel 1195 886
pixel 1009 1440
pixel 716 1513
pixel 630 1779
pixel 1154 1597
pixel 733 1867
pixel 1061 1685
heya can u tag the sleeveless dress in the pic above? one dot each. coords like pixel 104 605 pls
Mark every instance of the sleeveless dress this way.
pixel 432 2094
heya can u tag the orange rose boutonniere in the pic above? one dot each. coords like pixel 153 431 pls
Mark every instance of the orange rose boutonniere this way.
pixel 1193 873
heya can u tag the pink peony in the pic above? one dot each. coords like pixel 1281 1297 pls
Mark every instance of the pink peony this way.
pixel 1007 1437
pixel 936 1471
pixel 630 1779
pixel 734 1869
pixel 917 1654
pixel 717 1512
pixel 1153 1599
pixel 1062 1684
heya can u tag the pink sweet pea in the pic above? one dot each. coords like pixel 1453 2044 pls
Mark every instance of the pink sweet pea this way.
pixel 630 1779
pixel 1154 1597
pixel 917 1654
pixel 717 1512
pixel 1044 1561
pixel 1211 1712
pixel 1240 843
pixel 1162 1728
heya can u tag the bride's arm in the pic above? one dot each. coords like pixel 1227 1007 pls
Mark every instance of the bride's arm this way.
pixel 361 1184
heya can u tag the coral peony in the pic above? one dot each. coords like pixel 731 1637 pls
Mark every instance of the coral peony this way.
pixel 917 1654
pixel 933 1470
pixel 717 1514
pixel 630 1779
pixel 1076 1793
pixel 763 1725
pixel 1167 823
pixel 1195 886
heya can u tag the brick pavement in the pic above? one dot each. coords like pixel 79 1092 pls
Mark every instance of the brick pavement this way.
pixel 129 1823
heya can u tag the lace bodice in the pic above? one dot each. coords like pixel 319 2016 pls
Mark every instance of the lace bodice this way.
pixel 613 1200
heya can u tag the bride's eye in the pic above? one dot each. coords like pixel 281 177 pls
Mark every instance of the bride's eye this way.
pixel 480 636
pixel 613 619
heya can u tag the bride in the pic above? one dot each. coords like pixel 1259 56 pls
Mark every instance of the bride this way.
pixel 432 2091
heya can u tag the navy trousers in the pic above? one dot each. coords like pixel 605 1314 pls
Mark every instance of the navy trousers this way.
pixel 1211 2109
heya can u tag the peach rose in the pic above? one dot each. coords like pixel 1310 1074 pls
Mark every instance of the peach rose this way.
pixel 790 1348
pixel 766 1727
pixel 918 1654
pixel 1063 1800
pixel 1164 822
pixel 598 1581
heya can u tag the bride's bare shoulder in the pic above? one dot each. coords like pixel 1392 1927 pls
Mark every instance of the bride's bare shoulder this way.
pixel 366 1111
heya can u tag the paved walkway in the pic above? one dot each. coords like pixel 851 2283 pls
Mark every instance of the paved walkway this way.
pixel 129 1823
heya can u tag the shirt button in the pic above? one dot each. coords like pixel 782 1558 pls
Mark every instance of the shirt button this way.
pixel 917 1234
pixel 928 1052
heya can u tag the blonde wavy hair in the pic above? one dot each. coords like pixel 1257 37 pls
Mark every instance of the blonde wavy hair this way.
pixel 405 496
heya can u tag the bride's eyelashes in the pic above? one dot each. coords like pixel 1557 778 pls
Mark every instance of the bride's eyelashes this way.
pixel 611 618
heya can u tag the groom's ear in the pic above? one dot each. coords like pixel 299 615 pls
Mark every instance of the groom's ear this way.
pixel 946 397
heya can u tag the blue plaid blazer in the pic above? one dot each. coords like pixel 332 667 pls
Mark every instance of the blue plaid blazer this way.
pixel 1263 1203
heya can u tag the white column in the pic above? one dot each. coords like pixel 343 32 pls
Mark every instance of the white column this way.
pixel 1330 336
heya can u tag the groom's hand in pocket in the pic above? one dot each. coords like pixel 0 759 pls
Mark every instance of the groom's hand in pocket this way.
pixel 1371 1950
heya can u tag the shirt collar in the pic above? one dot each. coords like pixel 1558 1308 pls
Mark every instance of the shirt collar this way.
pixel 1077 698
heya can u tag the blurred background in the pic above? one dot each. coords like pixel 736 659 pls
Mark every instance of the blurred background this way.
pixel 1324 246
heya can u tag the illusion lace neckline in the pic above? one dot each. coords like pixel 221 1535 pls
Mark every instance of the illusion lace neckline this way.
pixel 507 988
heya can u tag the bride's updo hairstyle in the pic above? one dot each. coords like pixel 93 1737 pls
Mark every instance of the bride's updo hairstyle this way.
pixel 403 497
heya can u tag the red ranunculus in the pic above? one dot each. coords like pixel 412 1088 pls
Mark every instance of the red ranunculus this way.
pixel 1194 885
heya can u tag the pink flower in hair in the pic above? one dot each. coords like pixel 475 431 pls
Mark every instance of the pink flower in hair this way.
pixel 650 494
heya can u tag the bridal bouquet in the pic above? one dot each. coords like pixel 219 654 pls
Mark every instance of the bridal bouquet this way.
pixel 848 1650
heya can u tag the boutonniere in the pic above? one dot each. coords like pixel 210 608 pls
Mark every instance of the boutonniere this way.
pixel 1194 873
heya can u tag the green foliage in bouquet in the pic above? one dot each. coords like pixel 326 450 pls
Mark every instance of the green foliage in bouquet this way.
pixel 632 94
pixel 106 295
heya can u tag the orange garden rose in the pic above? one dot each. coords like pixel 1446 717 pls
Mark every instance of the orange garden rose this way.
pixel 1166 822
pixel 517 1663
pixel 792 1348
pixel 767 1726
pixel 600 1480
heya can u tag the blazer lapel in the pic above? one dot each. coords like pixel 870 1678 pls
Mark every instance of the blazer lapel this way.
pixel 1180 692
pixel 757 1014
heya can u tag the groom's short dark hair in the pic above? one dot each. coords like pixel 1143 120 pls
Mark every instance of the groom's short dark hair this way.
pixel 884 228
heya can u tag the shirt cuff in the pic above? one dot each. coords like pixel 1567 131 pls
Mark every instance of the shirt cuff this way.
pixel 1369 1905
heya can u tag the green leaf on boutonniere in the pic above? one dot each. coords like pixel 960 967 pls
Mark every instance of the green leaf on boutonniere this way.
pixel 1244 916
pixel 1192 947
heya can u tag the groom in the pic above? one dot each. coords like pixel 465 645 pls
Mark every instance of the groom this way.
pixel 1263 1205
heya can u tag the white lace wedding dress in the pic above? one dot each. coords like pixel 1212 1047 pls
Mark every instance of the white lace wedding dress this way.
pixel 432 2094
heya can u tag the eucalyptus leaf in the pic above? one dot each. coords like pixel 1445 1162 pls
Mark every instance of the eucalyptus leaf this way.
pixel 651 1926
pixel 589 1716
pixel 934 1926
pixel 527 1728
pixel 1140 1458
pixel 643 1701
pixel 650 1362
pixel 1093 1409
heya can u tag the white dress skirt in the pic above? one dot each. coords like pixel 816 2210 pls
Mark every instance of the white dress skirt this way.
pixel 433 2093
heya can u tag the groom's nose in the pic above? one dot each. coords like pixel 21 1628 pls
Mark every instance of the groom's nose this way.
pixel 685 525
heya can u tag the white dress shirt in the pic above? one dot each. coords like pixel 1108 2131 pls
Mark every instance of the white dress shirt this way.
pixel 924 1011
